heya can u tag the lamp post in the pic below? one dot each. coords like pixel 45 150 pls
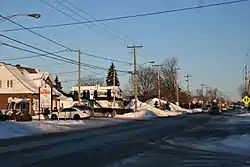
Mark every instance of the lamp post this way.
pixel 158 81
pixel 33 15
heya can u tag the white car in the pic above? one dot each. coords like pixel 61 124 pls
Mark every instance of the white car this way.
pixel 75 112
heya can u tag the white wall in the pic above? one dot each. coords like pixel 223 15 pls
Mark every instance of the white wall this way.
pixel 18 87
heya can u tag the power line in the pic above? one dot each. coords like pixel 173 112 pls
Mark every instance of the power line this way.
pixel 124 37
pixel 113 60
pixel 44 37
pixel 68 15
pixel 132 16
pixel 58 10
pixel 84 24
pixel 56 57
pixel 108 29
pixel 27 57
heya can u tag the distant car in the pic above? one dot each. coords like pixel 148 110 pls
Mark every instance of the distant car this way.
pixel 214 110
pixel 75 112
pixel 205 109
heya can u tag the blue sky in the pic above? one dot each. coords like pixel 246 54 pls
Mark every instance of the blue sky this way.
pixel 211 44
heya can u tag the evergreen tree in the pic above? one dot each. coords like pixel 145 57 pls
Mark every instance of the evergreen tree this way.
pixel 58 85
pixel 111 73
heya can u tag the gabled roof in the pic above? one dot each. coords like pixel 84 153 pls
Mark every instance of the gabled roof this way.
pixel 29 77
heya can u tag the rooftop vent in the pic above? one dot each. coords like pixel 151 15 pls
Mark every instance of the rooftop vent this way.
pixel 18 65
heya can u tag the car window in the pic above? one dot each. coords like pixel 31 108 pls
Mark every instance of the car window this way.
pixel 82 107
pixel 73 109
pixel 64 110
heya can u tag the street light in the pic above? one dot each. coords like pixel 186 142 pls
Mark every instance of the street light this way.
pixel 158 81
pixel 149 62
pixel 34 15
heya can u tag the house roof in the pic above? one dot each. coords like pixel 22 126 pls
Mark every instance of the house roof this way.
pixel 29 77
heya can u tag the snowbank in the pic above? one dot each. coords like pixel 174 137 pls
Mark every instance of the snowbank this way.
pixel 36 117
pixel 147 109
pixel 11 129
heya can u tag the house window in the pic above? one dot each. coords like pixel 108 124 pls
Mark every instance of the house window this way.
pixel 0 84
pixel 9 83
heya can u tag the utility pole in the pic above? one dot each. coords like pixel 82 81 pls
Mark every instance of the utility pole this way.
pixel 79 76
pixel 202 89
pixel 135 73
pixel 175 77
pixel 202 94
pixel 245 80
pixel 187 80
pixel 158 81
pixel 114 92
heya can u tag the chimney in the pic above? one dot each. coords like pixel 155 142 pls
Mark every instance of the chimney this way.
pixel 18 65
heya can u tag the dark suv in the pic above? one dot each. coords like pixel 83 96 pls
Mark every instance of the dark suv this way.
pixel 214 110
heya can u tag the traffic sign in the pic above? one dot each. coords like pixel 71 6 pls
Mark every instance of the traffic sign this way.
pixel 246 100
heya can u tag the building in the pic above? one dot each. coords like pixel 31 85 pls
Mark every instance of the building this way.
pixel 17 83
pixel 103 95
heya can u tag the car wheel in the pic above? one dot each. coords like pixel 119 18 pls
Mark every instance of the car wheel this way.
pixel 54 117
pixel 109 115
pixel 76 117
pixel 114 113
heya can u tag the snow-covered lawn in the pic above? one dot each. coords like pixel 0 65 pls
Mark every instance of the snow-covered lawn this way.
pixel 10 129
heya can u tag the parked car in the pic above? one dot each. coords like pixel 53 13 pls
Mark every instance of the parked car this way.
pixel 75 112
pixel 214 110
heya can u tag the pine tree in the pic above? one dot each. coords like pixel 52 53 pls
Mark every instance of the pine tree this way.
pixel 58 85
pixel 111 73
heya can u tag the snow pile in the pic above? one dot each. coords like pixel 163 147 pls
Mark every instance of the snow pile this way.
pixel 131 104
pixel 152 101
pixel 147 110
pixel 36 117
pixel 11 129
pixel 244 115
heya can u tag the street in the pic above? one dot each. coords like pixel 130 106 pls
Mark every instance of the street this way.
pixel 111 145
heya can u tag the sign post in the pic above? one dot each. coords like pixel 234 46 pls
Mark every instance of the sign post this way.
pixel 45 97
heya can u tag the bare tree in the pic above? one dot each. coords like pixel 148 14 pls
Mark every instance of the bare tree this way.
pixel 92 81
pixel 169 74
pixel 147 82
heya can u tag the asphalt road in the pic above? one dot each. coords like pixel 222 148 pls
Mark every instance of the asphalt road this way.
pixel 111 145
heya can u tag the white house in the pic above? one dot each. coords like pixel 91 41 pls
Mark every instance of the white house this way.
pixel 17 82
pixel 103 93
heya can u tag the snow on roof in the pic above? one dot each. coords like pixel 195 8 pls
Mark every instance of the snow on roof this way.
pixel 27 77
pixel 23 76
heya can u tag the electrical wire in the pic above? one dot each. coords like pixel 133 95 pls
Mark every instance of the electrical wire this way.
pixel 44 37
pixel 116 33
pixel 27 57
pixel 56 57
pixel 132 16
pixel 113 60
pixel 68 15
